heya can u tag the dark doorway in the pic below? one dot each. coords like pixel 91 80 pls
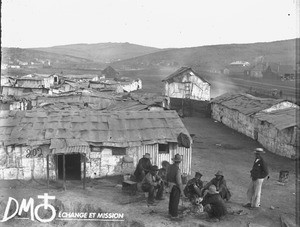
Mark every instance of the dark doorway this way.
pixel 73 167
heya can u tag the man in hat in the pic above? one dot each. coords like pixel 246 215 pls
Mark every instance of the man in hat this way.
pixel 258 173
pixel 220 184
pixel 175 183
pixel 193 187
pixel 143 167
pixel 152 183
pixel 213 204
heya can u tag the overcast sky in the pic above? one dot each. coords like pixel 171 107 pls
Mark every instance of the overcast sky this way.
pixel 156 23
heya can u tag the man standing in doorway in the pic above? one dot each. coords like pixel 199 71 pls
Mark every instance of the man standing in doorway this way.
pixel 175 183
pixel 258 173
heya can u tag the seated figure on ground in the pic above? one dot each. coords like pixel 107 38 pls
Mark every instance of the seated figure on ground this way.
pixel 162 172
pixel 153 184
pixel 213 204
pixel 193 187
pixel 220 184
pixel 143 167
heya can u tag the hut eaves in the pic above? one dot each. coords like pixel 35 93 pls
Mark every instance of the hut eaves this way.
pixel 245 103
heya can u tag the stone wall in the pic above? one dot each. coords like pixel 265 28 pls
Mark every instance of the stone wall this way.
pixel 233 119
pixel 16 163
pixel 281 142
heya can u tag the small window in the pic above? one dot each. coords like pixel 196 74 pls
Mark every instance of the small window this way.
pixel 27 90
pixel 55 79
pixel 163 148
pixel 118 151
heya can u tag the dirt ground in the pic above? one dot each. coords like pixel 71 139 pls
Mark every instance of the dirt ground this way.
pixel 216 147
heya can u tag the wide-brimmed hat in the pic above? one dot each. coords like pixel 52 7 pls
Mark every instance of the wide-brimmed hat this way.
pixel 212 190
pixel 219 173
pixel 147 155
pixel 198 174
pixel 259 150
pixel 177 158
pixel 154 168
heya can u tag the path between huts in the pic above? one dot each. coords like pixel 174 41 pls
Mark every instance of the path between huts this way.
pixel 215 147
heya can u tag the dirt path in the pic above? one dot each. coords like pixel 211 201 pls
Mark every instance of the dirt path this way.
pixel 215 147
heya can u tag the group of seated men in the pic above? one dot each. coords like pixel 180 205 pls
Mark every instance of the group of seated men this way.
pixel 212 194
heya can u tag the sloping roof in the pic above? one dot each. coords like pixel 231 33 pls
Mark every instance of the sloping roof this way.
pixel 148 99
pixel 112 128
pixel 180 71
pixel 28 84
pixel 110 72
pixel 281 119
pixel 127 106
pixel 245 103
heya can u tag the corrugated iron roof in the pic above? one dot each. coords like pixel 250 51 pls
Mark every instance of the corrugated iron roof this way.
pixel 281 119
pixel 182 70
pixel 245 103
pixel 29 84
pixel 112 128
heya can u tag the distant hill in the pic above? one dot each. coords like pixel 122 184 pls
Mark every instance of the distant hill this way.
pixel 216 56
pixel 15 55
pixel 101 52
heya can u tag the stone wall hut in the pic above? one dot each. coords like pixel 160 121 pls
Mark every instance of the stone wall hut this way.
pixel 239 111
pixel 77 143
pixel 277 131
pixel 185 86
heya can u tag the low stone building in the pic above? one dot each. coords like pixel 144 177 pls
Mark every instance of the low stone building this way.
pixel 277 131
pixel 78 143
pixel 242 113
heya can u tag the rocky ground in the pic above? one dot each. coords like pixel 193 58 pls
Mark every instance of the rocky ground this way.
pixel 215 147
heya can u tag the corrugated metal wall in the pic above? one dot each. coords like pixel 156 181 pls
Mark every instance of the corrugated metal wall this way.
pixel 157 159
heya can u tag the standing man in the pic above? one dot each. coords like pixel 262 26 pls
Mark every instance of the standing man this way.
pixel 143 167
pixel 175 183
pixel 258 173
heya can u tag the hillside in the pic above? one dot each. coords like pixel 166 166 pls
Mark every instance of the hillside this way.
pixel 216 56
pixel 17 55
pixel 101 52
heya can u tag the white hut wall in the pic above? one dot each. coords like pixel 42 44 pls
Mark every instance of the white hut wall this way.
pixel 281 142
pixel 175 90
pixel 16 164
pixel 103 161
pixel 200 90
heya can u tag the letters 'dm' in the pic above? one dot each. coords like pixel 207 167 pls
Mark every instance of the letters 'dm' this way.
pixel 30 206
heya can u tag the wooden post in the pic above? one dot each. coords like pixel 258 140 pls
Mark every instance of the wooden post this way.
pixel 48 171
pixel 56 166
pixel 84 170
pixel 64 171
